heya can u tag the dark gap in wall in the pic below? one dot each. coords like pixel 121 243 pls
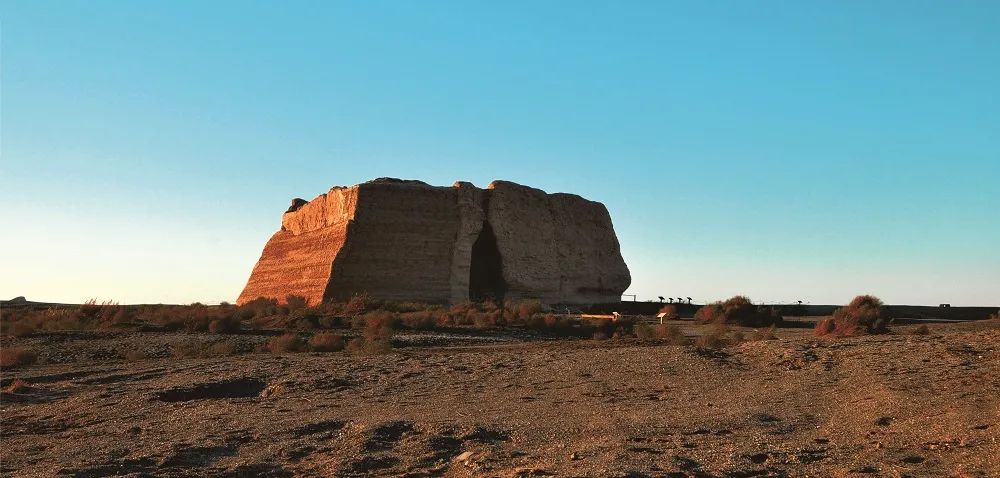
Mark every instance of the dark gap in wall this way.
pixel 486 269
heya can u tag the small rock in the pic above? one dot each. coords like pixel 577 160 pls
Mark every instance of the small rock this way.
pixel 464 456
pixel 574 456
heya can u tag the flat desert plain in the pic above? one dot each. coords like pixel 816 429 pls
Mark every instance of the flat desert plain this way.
pixel 892 405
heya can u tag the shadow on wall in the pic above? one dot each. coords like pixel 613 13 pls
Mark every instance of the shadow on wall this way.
pixel 486 269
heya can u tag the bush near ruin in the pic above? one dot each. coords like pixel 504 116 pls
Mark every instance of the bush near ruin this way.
pixel 671 334
pixel 738 310
pixel 224 325
pixel 326 342
pixel 194 348
pixel 865 314
pixel 670 312
pixel 11 357
pixel 87 316
pixel 375 321
pixel 665 333
pixel 764 334
pixel 368 346
pixel 289 342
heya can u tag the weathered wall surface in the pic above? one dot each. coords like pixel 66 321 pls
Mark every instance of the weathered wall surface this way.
pixel 522 223
pixel 591 266
pixel 406 240
pixel 469 200
pixel 557 248
pixel 399 245
pixel 297 258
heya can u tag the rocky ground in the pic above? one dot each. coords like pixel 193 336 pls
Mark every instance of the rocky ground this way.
pixel 889 405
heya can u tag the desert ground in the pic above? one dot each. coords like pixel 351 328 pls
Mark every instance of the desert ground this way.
pixel 508 403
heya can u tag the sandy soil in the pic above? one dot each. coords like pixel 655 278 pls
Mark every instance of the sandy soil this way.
pixel 891 405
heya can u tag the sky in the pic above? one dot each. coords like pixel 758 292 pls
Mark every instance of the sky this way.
pixel 784 150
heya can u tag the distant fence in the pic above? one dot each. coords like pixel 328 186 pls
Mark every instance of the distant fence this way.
pixel 900 311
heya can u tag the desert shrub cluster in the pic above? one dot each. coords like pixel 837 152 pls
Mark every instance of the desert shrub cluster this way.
pixel 15 357
pixel 665 333
pixel 196 348
pixel 326 342
pixel 922 329
pixel 865 314
pixel 717 335
pixel 738 310
pixel 89 315
pixel 371 318
pixel 670 312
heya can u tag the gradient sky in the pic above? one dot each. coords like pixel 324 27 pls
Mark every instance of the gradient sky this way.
pixel 784 150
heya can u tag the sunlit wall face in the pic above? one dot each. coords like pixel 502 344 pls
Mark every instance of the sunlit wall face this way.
pixel 787 153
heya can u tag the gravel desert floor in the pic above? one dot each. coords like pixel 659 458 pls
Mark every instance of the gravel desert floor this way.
pixel 889 405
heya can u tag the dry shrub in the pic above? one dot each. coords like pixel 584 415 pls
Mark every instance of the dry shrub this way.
pixel 89 309
pixel 402 307
pixel 421 320
pixel 671 334
pixel 462 309
pixel 377 324
pixel 921 330
pixel 331 322
pixel 738 310
pixel 19 323
pixel 21 328
pixel 525 310
pixel 865 314
pixel 670 311
pixel 17 386
pixel 489 306
pixel 259 307
pixel 369 346
pixel 356 305
pixel 708 313
pixel 307 318
pixel 764 334
pixel 644 332
pixel 714 338
pixel 296 302
pixel 326 342
pixel 95 313
pixel 16 357
pixel 736 337
pixel 285 343
pixel 825 326
pixel 597 328
pixel 60 319
pixel 566 326
pixel 224 325
pixel 486 320
pixel 192 318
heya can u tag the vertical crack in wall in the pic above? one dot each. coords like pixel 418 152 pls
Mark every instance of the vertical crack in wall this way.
pixel 486 269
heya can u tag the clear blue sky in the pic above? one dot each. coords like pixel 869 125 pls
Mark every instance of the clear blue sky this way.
pixel 783 150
